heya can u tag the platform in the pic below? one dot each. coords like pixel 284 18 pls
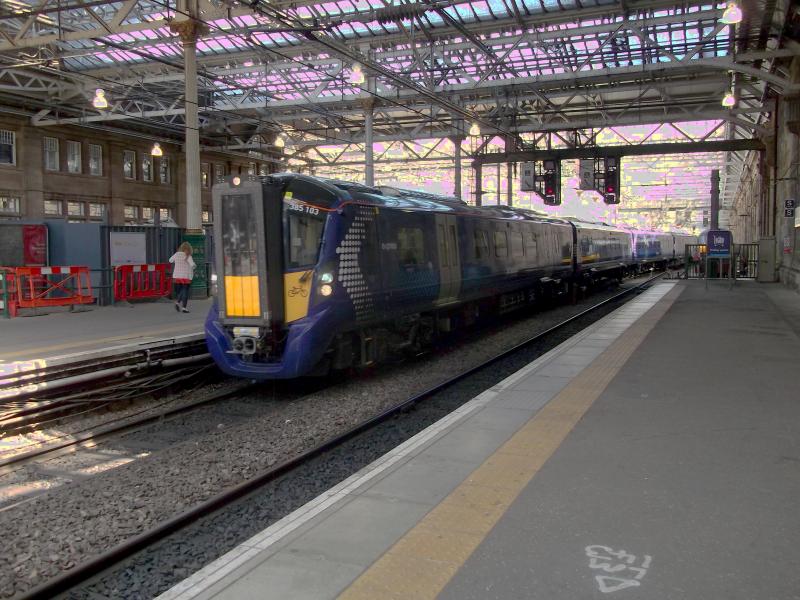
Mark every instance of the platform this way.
pixel 654 455
pixel 61 337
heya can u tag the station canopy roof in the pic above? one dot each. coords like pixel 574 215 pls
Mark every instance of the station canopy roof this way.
pixel 515 68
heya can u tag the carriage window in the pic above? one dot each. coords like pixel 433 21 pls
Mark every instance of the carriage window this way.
pixel 303 236
pixel 517 249
pixel 500 243
pixel 410 246
pixel 481 244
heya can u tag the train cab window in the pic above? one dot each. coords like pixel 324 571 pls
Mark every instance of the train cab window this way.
pixel 481 243
pixel 500 244
pixel 410 247
pixel 303 236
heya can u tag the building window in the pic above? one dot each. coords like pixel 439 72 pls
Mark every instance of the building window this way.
pixel 8 147
pixel 147 168
pixel 219 172
pixel 97 210
pixel 164 173
pixel 51 154
pixel 129 164
pixel 75 209
pixel 95 159
pixel 207 218
pixel 204 175
pixel 251 168
pixel 147 213
pixel 73 157
pixel 53 207
pixel 262 170
pixel 164 214
pixel 9 205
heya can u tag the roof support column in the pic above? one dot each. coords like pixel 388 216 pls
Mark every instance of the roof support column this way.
pixel 510 183
pixel 457 166
pixel 369 160
pixel 189 31
pixel 478 182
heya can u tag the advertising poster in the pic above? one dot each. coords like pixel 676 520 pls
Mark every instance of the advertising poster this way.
pixel 127 248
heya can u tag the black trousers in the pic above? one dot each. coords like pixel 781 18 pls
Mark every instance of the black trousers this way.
pixel 182 293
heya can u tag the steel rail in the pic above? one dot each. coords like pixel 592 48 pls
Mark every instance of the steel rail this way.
pixel 93 567
pixel 13 463
pixel 15 385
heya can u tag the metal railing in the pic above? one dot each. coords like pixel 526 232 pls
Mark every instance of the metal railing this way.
pixel 744 259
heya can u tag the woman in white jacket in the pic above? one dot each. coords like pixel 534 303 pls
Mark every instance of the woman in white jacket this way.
pixel 182 275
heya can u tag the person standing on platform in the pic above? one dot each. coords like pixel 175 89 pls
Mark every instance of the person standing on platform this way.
pixel 182 275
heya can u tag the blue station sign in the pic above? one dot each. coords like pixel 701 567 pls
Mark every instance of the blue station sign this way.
pixel 719 243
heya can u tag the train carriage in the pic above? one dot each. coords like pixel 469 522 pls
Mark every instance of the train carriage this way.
pixel 317 274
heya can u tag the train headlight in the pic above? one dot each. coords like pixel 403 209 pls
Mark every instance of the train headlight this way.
pixel 326 278
pixel 326 289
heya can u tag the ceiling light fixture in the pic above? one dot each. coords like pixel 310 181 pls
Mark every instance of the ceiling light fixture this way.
pixel 156 150
pixel 732 14
pixel 279 143
pixel 474 130
pixel 357 75
pixel 729 100
pixel 99 100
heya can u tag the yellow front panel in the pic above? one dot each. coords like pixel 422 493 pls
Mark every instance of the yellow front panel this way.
pixel 296 290
pixel 241 296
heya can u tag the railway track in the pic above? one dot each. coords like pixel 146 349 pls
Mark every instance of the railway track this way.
pixel 34 394
pixel 91 568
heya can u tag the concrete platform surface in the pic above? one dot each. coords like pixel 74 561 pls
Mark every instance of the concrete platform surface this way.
pixel 61 334
pixel 654 455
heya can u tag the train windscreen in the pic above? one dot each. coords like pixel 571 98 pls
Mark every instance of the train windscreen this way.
pixel 305 204
pixel 240 255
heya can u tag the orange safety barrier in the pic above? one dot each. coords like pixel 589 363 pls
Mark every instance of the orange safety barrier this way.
pixel 39 287
pixel 142 281
pixel 8 293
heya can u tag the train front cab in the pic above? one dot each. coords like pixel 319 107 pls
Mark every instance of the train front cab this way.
pixel 267 242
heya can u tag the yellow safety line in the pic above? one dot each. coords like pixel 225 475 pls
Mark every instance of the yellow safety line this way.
pixel 36 353
pixel 423 561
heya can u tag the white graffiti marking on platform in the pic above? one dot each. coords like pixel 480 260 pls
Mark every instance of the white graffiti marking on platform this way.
pixel 627 570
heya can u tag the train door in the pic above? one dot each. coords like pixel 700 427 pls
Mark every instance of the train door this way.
pixel 449 259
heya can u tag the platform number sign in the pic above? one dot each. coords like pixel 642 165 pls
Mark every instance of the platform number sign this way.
pixel 788 208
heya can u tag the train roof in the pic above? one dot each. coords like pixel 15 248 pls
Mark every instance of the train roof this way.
pixel 404 199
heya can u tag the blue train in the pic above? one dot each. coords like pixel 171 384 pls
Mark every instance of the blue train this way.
pixel 316 275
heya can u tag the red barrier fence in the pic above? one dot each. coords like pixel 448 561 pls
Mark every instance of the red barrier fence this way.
pixel 41 287
pixel 141 281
